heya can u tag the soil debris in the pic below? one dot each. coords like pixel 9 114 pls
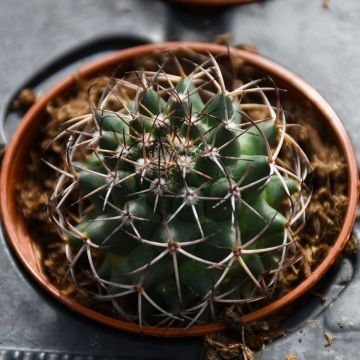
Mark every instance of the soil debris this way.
pixel 291 357
pixel 351 246
pixel 257 334
pixel 313 323
pixel 329 338
pixel 24 99
pixel 223 39
pixel 217 344
pixel 321 297
pixel 247 47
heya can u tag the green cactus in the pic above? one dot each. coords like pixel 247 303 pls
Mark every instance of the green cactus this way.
pixel 185 205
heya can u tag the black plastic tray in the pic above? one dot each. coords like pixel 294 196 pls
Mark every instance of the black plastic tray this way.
pixel 41 41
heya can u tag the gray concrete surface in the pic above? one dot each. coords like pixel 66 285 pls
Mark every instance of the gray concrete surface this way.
pixel 40 42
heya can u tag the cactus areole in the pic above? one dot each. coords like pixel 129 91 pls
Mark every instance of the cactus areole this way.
pixel 177 201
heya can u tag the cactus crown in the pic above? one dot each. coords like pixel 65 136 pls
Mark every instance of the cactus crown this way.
pixel 183 201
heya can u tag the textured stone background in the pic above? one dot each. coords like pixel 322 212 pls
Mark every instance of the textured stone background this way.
pixel 42 40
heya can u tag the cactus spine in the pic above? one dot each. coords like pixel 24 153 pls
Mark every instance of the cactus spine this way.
pixel 183 202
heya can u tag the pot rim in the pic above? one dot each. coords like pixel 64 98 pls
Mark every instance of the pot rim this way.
pixel 211 2
pixel 15 230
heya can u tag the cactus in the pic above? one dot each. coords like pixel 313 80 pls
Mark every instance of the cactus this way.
pixel 177 203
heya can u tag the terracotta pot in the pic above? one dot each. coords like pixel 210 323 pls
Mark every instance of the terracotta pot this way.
pixel 212 2
pixel 18 149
